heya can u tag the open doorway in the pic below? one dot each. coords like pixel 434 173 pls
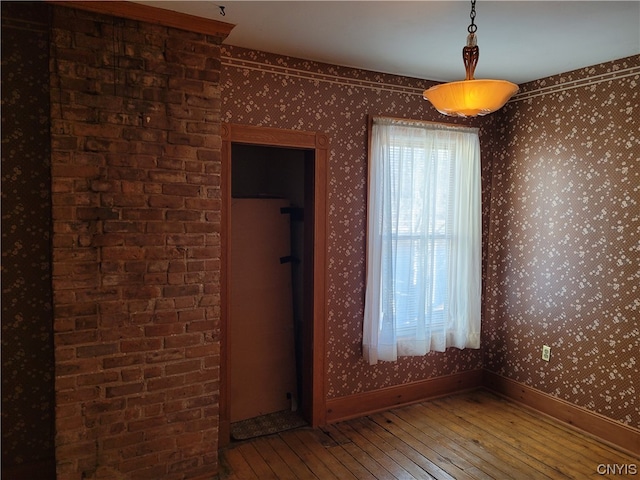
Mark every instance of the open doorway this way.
pixel 284 172
pixel 266 316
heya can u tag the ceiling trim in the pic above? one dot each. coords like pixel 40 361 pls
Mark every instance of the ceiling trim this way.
pixel 153 15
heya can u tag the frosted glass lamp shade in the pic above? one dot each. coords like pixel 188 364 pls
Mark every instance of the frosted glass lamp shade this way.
pixel 470 98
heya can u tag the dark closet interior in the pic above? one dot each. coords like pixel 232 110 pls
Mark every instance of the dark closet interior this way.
pixel 267 280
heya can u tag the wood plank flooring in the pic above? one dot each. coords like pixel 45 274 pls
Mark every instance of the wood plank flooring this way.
pixel 475 435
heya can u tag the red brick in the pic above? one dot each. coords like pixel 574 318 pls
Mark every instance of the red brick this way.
pixel 98 378
pixel 166 201
pixel 119 332
pixel 184 416
pixel 79 395
pixel 165 227
pixel 164 383
pixel 136 266
pixel 140 292
pixel 148 467
pixel 162 95
pixel 196 277
pixel 202 350
pixel 191 315
pixel 177 266
pixel 201 227
pixel 184 465
pixel 122 279
pixel 60 142
pixel 120 253
pixel 83 323
pixel 140 345
pixel 203 203
pixel 102 406
pixel 122 361
pixel 75 367
pixel 75 338
pixel 97 130
pixel 61 186
pixel 166 176
pixel 123 200
pixel 76 310
pixel 76 450
pixel 141 214
pixel 181 290
pixel 77 198
pixel 171 163
pixel 188 439
pixel 166 317
pixel 202 401
pixel 155 131
pixel 123 390
pixel 212 156
pixel 207 128
pixel 175 279
pixel 149 446
pixel 204 252
pixel 141 318
pixel 115 226
pixel 187 86
pixel 183 303
pixel 201 376
pixel 202 326
pixel 183 367
pixel 196 265
pixel 98 350
pixel 153 372
pixel 138 401
pixel 190 139
pixel 124 440
pixel 163 329
pixel 185 392
pixel 155 278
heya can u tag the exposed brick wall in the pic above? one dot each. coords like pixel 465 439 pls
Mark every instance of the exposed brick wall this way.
pixel 135 134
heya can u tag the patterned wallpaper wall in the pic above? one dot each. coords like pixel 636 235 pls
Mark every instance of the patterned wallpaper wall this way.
pixel 27 319
pixel 564 247
pixel 268 90
pixel 560 220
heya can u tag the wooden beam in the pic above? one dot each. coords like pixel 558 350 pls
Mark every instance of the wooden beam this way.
pixel 153 15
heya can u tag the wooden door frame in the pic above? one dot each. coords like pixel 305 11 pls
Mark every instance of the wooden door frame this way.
pixel 272 137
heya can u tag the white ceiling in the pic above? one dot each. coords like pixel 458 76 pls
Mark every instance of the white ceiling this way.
pixel 519 41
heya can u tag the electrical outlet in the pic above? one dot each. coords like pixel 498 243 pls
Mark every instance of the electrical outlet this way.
pixel 546 353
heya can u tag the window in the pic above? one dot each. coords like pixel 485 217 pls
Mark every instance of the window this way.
pixel 423 240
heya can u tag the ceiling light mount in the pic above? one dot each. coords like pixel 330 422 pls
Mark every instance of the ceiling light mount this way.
pixel 470 97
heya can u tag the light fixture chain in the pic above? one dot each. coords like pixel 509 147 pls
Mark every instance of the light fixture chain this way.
pixel 473 27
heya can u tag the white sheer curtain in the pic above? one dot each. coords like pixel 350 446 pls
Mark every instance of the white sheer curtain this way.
pixel 423 240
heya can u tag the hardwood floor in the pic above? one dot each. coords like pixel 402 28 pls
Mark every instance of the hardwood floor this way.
pixel 475 435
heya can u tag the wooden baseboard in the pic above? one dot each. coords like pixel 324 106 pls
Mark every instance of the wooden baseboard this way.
pixel 361 404
pixel 615 433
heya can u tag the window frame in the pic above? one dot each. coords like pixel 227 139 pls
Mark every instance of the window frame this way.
pixel 450 238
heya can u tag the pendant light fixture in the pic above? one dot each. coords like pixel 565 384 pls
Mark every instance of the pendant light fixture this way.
pixel 470 97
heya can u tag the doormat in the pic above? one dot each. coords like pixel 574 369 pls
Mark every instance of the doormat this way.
pixel 266 425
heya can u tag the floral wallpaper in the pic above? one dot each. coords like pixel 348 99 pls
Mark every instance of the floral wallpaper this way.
pixel 560 221
pixel 268 90
pixel 564 247
pixel 27 325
